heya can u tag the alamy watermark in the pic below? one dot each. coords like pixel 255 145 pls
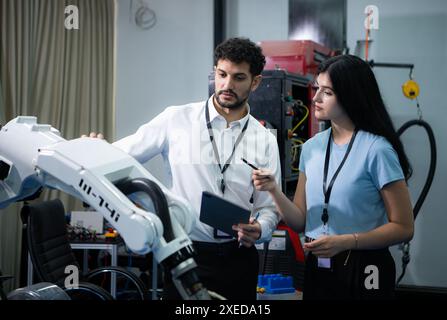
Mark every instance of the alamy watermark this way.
pixel 192 146
pixel 72 280
pixel 372 17
pixel 71 17
pixel 372 280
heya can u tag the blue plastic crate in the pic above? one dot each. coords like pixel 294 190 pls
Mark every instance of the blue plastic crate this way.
pixel 276 283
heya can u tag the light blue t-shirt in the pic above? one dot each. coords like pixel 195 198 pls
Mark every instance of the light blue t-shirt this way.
pixel 355 204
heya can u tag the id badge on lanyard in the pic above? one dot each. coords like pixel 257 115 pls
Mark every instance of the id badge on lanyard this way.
pixel 325 263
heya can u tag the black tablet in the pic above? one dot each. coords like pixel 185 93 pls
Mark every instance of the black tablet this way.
pixel 222 214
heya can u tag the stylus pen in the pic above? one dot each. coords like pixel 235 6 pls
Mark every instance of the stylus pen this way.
pixel 254 167
pixel 254 220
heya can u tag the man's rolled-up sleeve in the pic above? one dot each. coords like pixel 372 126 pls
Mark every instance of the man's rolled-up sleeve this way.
pixel 263 202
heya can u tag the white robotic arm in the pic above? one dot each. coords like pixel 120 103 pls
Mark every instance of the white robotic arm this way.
pixel 34 155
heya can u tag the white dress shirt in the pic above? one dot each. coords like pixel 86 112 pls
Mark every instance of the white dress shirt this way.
pixel 181 136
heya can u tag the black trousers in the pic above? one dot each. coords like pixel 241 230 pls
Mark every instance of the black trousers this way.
pixel 364 275
pixel 225 269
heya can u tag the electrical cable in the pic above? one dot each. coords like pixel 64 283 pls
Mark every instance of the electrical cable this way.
pixel 411 91
pixel 367 36
pixel 304 117
pixel 180 263
pixel 145 18
pixel 295 153
pixel 297 142
pixel 427 185
pixel 158 198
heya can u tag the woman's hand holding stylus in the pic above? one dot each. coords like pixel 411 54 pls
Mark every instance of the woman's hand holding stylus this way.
pixel 263 180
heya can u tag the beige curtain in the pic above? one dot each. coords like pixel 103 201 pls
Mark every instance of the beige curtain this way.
pixel 63 77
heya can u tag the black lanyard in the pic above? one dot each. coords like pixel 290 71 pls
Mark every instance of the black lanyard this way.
pixel 327 192
pixel 216 152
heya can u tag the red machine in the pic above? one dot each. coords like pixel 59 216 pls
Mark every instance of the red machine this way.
pixel 300 57
pixel 295 56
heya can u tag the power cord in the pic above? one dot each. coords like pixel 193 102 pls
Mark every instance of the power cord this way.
pixel 405 247
pixel 145 17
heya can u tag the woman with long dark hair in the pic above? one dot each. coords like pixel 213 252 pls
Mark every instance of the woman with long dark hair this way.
pixel 352 200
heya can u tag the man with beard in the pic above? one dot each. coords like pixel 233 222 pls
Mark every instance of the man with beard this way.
pixel 202 145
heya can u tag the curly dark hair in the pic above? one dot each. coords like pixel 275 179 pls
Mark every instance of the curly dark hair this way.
pixel 240 50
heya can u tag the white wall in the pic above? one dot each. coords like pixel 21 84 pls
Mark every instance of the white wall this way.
pixel 411 31
pixel 166 65
pixel 258 19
